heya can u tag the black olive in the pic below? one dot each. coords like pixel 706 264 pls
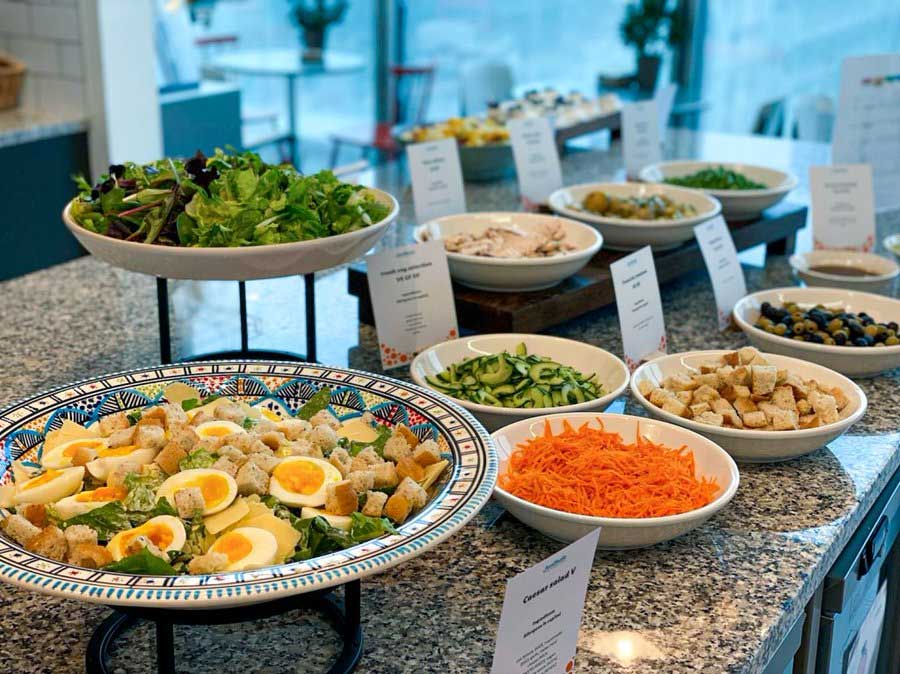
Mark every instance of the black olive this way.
pixel 765 308
pixel 893 326
pixel 117 170
pixel 818 319
pixel 816 338
pixel 95 194
pixel 856 329
pixel 870 340
pixel 860 341
pixel 839 338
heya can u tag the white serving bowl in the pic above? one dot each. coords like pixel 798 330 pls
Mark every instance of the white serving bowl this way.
pixel 854 361
pixel 882 281
pixel 622 234
pixel 618 533
pixel 738 205
pixel 750 445
pixel 586 358
pixel 512 274
pixel 235 264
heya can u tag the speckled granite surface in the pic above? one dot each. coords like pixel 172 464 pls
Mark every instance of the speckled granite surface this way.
pixel 24 125
pixel 717 600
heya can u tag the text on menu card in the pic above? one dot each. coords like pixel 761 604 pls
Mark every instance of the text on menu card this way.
pixel 639 307
pixel 842 206
pixel 412 300
pixel 542 610
pixel 436 177
pixel 725 271
pixel 536 157
pixel 640 136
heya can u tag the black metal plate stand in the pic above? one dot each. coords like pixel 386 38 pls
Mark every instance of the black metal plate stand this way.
pixel 344 618
pixel 245 352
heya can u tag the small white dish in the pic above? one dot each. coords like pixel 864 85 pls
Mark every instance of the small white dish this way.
pixel 235 264
pixel 881 280
pixel 618 533
pixel 853 361
pixel 749 445
pixel 513 274
pixel 625 234
pixel 737 205
pixel 612 373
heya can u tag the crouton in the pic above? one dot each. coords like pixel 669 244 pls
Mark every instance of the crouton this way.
pixel 340 498
pixel 730 392
pixel 294 429
pixel 676 407
pixel 711 379
pixel 112 423
pixel 825 406
pixel 80 534
pixel 427 453
pixel 251 479
pixel 189 502
pixel 646 387
pixel 169 458
pixel 699 408
pixel 730 415
pixel 660 395
pixel 374 504
pixel 123 437
pixel 840 398
pixel 759 359
pixel 211 562
pixel 396 448
pixel 397 508
pixel 230 411
pixel 755 419
pixel 325 418
pixel 799 386
pixel 232 453
pixel 201 418
pixel 684 397
pixel 705 394
pixel 784 420
pixel 711 418
pixel 746 355
pixel 781 375
pixel 242 441
pixel 368 456
pixel 386 474
pixel 50 542
pixel 362 480
pixel 186 438
pixel 680 382
pixel 745 406
pixel 273 440
pixel 411 438
pixel 301 447
pixel 732 358
pixel 709 366
pixel 226 465
pixel 407 467
pixel 763 379
pixel 739 376
pixel 266 461
pixel 808 421
pixel 768 409
pixel 20 529
pixel 36 513
pixel 83 455
pixel 116 477
pixel 413 492
pixel 783 397
pixel 803 407
pixel 89 556
pixel 152 437
pixel 175 415
pixel 340 459
pixel 323 437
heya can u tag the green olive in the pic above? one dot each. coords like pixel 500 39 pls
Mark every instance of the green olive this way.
pixel 892 340
pixel 835 325
pixel 799 328
pixel 871 329
pixel 780 329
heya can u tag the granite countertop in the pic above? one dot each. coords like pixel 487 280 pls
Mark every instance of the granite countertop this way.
pixel 26 124
pixel 719 599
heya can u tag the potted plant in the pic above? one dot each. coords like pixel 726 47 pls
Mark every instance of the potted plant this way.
pixel 314 18
pixel 647 26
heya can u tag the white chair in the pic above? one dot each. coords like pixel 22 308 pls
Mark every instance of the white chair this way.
pixel 482 83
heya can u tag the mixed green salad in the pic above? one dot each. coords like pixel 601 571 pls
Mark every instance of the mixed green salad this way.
pixel 719 178
pixel 229 199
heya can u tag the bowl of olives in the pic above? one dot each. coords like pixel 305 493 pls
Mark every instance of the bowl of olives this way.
pixel 852 332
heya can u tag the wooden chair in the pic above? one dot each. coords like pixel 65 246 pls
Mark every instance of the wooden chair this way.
pixel 412 93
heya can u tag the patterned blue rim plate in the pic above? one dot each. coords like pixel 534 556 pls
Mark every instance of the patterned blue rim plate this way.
pixel 282 387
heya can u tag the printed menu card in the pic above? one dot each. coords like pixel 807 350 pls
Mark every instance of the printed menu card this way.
pixel 842 207
pixel 722 263
pixel 542 611
pixel 867 125
pixel 437 182
pixel 412 300
pixel 640 136
pixel 537 159
pixel 639 306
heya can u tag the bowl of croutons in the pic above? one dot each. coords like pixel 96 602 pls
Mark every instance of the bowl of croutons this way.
pixel 759 407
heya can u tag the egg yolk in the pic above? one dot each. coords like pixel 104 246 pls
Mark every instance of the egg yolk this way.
pixel 216 432
pixel 160 535
pixel 116 451
pixel 213 487
pixel 49 476
pixel 235 546
pixel 102 494
pixel 300 477
pixel 75 446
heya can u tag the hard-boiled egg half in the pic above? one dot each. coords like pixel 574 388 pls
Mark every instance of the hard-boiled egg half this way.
pixel 109 458
pixel 50 486
pixel 164 531
pixel 302 481
pixel 85 501
pixel 218 487
pixel 247 548
pixel 218 429
pixel 61 455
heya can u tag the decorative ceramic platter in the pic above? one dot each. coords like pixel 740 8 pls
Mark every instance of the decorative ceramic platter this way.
pixel 282 388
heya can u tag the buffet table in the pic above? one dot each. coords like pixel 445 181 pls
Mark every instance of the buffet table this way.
pixel 720 599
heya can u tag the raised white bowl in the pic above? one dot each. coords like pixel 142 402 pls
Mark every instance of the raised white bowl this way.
pixel 586 358
pixel 618 533
pixel 882 281
pixel 622 234
pixel 507 274
pixel 235 264
pixel 750 445
pixel 737 205
pixel 854 361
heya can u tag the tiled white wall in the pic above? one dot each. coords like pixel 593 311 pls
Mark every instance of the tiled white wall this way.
pixel 46 35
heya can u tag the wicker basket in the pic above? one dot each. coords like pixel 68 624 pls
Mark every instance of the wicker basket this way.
pixel 12 74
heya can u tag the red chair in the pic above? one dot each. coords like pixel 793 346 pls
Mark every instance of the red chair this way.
pixel 412 92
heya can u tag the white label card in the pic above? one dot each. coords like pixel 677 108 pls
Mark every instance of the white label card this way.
pixel 437 181
pixel 640 136
pixel 723 266
pixel 537 159
pixel 639 306
pixel 842 206
pixel 412 300
pixel 665 101
pixel 542 610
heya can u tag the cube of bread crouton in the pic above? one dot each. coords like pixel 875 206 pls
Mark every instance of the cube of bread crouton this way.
pixel 362 480
pixel 709 366
pixel 676 407
pixel 211 562
pixel 739 376
pixel 660 395
pixel 796 383
pixel 723 407
pixel 646 387
pixel 340 458
pixel 680 382
pixel 781 375
pixel 374 504
pixel 112 423
pixel 397 508
pixel 768 409
pixel 89 556
pixel 784 420
pixel 783 397
pixel 685 397
pixel 20 529
pixel 251 479
pixel 396 448
pixel 122 437
pixel 80 534
pixel 699 408
pixel 407 467
pixel 705 394
pixel 729 392
pixel 169 458
pixel 732 358
pixel 340 498
pixel 763 379
pixel 386 475
pixel 186 438
pixel 50 542
pixel 117 477
pixel 226 465
pixel 761 360
pixel 825 406
pixel 413 492
pixel 755 419
pixel 36 513
pixel 711 379
pixel 839 397
pixel 411 438
pixel 711 418
pixel 427 453
pixel 745 406
pixel 746 355
pixel 803 407
pixel 189 502
pixel 265 460
pixel 152 437
pixel 808 421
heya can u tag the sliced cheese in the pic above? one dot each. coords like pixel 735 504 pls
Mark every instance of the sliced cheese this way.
pixel 69 431
pixel 231 515
pixel 433 472
pixel 286 536
pixel 337 521
pixel 178 392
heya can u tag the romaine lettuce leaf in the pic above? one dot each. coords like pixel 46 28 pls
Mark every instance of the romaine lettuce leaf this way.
pixel 143 562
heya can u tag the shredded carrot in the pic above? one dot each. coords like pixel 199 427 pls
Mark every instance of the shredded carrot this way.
pixel 589 471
